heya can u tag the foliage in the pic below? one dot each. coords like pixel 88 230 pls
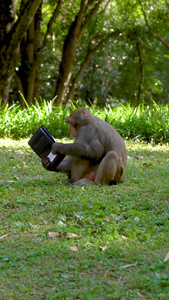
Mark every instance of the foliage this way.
pixel 148 123
pixel 131 64
pixel 115 69
pixel 121 231
pixel 19 123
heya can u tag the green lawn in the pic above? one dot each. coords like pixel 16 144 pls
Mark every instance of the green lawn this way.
pixel 122 231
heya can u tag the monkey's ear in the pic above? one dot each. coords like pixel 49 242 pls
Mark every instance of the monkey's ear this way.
pixel 84 112
pixel 69 120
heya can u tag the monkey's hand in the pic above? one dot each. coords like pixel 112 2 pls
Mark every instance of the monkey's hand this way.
pixel 47 164
pixel 58 148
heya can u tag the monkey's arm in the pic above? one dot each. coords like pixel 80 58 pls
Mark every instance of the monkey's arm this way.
pixel 64 166
pixel 87 145
pixel 73 149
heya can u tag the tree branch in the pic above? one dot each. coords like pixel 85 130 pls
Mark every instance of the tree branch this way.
pixel 160 39
pixel 49 26
pixel 141 85
pixel 90 53
pixel 89 16
pixel 104 9
pixel 144 13
pixel 22 24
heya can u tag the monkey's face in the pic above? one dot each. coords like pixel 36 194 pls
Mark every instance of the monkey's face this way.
pixel 72 130
pixel 73 121
pixel 78 118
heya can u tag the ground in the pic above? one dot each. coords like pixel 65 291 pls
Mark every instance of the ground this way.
pixel 111 242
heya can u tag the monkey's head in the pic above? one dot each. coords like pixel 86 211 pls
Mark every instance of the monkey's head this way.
pixel 79 117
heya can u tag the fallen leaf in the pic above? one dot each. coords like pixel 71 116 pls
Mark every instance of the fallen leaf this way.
pixel 147 165
pixel 37 176
pixel 24 164
pixel 72 235
pixel 124 237
pixel 93 232
pixel 103 248
pixel 3 236
pixel 17 151
pixel 53 234
pixel 14 197
pixel 60 224
pixel 129 265
pixel 166 257
pixel 74 248
pixel 142 295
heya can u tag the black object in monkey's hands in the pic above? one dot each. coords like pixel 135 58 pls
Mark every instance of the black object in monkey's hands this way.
pixel 41 143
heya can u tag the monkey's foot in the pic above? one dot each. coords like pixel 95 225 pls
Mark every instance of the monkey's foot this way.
pixel 83 181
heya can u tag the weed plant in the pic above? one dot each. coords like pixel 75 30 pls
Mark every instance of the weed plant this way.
pixel 146 123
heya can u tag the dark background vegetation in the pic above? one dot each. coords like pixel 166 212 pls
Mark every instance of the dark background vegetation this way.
pixel 100 52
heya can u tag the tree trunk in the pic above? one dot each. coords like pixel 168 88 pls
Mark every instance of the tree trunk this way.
pixel 79 74
pixel 31 54
pixel 69 53
pixel 30 49
pixel 7 14
pixel 20 88
pixel 141 84
pixel 29 58
pixel 74 35
pixel 86 62
pixel 10 39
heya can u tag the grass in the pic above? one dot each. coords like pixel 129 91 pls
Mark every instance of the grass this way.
pixel 146 123
pixel 122 231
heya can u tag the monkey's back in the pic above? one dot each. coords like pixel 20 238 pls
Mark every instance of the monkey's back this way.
pixel 111 139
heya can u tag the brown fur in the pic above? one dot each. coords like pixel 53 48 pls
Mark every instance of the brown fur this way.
pixel 98 153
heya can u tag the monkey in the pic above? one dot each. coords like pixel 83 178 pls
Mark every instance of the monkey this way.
pixel 97 155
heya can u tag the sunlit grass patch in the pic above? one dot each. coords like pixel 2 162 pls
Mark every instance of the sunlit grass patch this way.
pixel 121 231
